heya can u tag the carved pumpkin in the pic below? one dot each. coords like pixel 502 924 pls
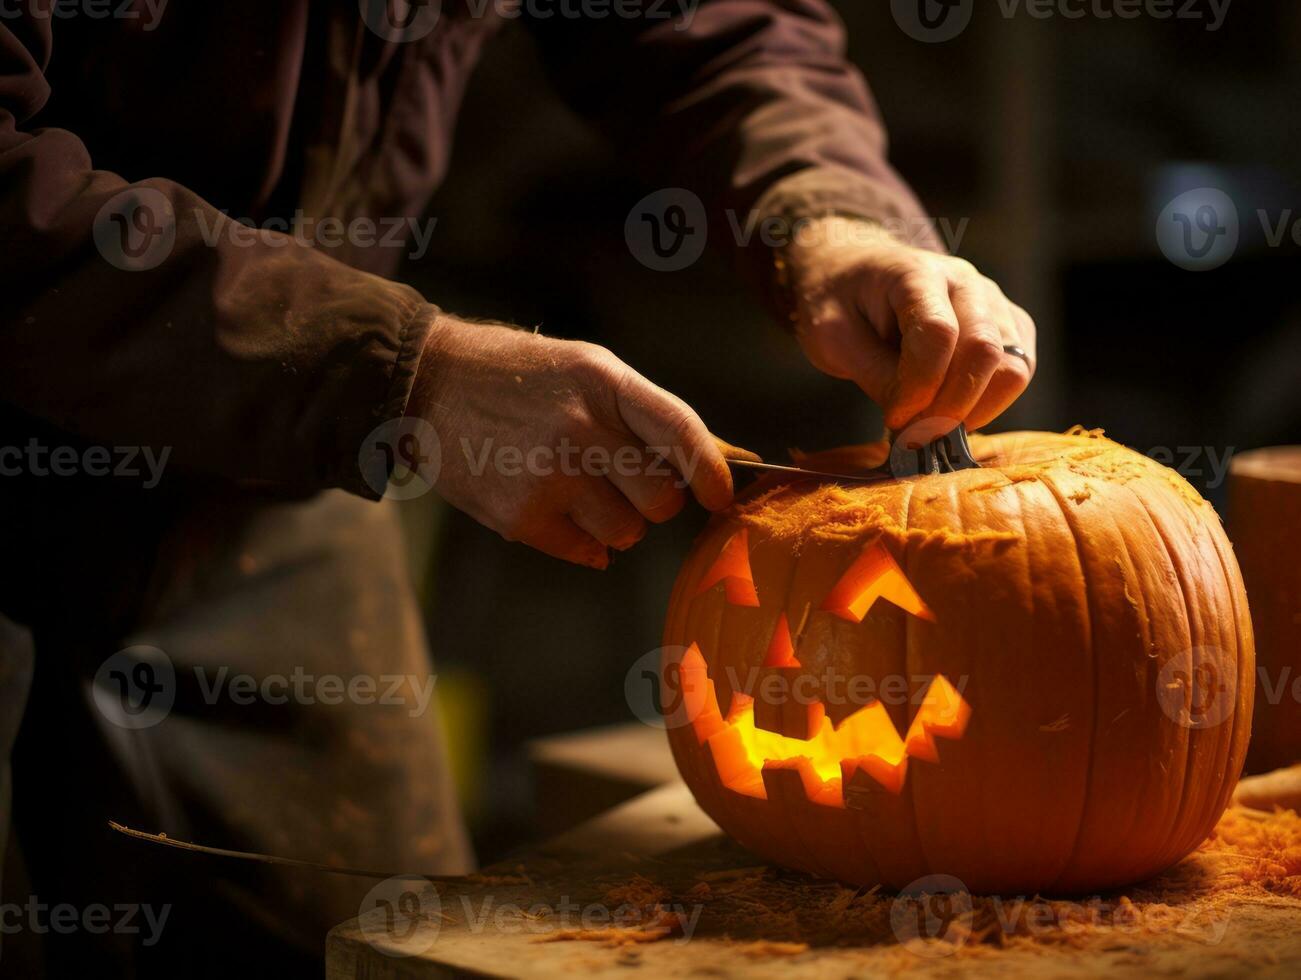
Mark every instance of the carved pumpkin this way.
pixel 1034 676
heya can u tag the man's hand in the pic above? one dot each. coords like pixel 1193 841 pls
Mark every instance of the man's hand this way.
pixel 923 334
pixel 559 444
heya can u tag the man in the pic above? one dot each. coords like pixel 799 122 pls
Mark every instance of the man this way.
pixel 134 316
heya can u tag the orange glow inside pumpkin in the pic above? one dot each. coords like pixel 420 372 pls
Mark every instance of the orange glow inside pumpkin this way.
pixel 732 568
pixel 865 740
pixel 781 650
pixel 875 575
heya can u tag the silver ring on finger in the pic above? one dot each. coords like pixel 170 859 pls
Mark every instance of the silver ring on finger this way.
pixel 1020 352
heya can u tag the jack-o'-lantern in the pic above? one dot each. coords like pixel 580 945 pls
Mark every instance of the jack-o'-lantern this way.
pixel 1035 676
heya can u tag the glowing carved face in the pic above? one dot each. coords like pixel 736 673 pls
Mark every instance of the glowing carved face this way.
pixel 866 740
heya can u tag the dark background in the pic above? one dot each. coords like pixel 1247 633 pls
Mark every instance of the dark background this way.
pixel 1060 141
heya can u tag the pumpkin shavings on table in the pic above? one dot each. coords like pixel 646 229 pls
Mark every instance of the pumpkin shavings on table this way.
pixel 1252 858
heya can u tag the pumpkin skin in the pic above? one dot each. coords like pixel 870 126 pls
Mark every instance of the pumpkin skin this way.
pixel 1083 600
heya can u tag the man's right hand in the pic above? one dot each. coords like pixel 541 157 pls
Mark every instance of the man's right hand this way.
pixel 558 443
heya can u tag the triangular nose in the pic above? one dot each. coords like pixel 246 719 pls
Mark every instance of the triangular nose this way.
pixel 781 649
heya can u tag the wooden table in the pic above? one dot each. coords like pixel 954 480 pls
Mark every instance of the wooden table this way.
pixel 476 927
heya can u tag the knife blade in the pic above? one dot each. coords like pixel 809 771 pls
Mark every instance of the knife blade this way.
pixel 946 454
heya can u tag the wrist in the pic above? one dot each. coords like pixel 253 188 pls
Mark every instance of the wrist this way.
pixel 443 339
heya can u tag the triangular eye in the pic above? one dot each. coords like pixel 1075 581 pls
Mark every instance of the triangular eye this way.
pixel 732 568
pixel 875 575
pixel 781 649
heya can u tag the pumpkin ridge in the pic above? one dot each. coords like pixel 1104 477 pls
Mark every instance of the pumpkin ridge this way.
pixel 1147 634
pixel 1072 858
pixel 1246 665
pixel 1185 797
pixel 907 664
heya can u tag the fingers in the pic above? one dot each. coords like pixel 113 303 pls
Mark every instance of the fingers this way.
pixel 836 342
pixel 954 325
pixel 559 537
pixel 929 335
pixel 977 354
pixel 606 514
pixel 665 424
pixel 1013 374
pixel 657 498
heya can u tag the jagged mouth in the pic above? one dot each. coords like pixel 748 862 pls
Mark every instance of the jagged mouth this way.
pixel 867 740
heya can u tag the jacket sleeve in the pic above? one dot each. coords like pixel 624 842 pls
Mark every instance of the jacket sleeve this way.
pixel 131 314
pixel 752 104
